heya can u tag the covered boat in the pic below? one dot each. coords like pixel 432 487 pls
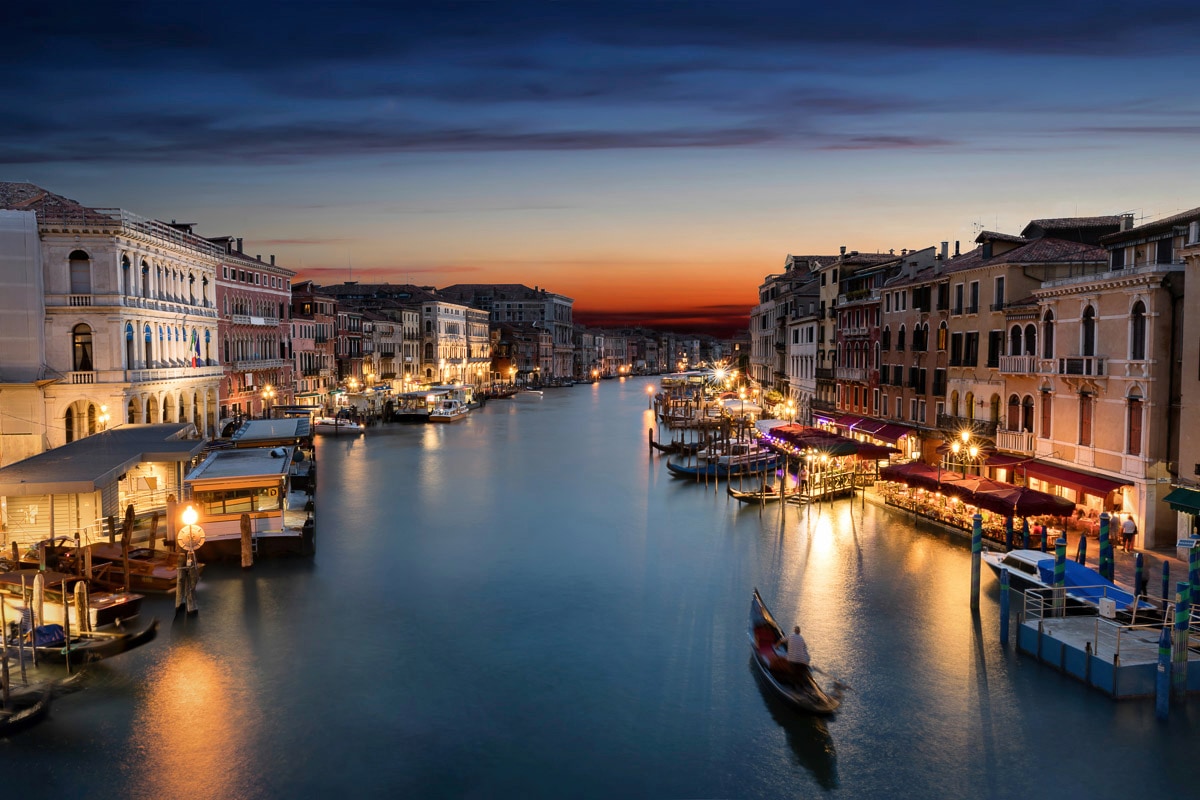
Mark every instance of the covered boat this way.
pixel 85 648
pixel 1033 569
pixel 766 644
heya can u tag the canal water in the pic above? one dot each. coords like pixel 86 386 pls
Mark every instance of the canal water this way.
pixel 525 604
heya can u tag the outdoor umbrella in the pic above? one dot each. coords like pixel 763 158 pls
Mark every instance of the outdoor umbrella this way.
pixel 1022 501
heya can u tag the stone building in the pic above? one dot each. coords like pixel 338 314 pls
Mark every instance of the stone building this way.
pixel 516 303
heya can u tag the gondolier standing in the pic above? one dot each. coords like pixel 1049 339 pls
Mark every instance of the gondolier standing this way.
pixel 797 652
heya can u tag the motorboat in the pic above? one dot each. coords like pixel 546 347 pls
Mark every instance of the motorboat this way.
pixel 1033 569
pixel 449 410
pixel 767 646
pixel 528 394
pixel 337 425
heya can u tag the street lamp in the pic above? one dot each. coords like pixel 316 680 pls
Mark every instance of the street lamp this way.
pixel 964 450
pixel 191 535
pixel 512 376
pixel 103 418
pixel 268 394
pixel 649 396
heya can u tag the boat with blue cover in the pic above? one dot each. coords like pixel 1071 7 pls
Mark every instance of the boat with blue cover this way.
pixel 1033 569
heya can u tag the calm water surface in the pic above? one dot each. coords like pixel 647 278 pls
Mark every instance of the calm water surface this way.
pixel 526 605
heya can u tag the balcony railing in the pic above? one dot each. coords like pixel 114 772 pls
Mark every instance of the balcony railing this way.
pixel 823 405
pixel 1019 365
pixel 1081 365
pixel 979 427
pixel 198 309
pixel 1015 441
pixel 824 374
pixel 260 363
pixel 174 373
pixel 247 319
pixel 82 377
pixel 858 374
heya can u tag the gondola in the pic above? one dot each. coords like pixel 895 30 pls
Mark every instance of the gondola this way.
pixel 771 495
pixel 28 710
pixel 86 647
pixel 802 691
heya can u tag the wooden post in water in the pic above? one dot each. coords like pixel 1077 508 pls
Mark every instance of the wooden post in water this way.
pixel 193 578
pixel 66 596
pixel 1139 577
pixel 87 562
pixel 126 537
pixel 83 611
pixel 247 543
pixel 32 618
pixel 16 553
pixel 650 440
pixel 976 557
pixel 1060 576
pixel 4 665
pixel 112 529
pixel 153 530
pixel 180 580
pixel 171 517
pixel 1004 600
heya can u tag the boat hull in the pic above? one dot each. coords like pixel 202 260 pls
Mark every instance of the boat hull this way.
pixel 802 691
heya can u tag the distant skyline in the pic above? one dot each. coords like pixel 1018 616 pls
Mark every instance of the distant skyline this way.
pixel 652 160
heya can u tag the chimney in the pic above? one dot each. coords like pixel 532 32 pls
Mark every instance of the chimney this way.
pixel 258 256
pixel 843 249
pixel 945 250
pixel 1127 222
pixel 956 253
pixel 272 259
pixel 239 241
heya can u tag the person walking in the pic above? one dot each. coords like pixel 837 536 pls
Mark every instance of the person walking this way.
pixel 1128 533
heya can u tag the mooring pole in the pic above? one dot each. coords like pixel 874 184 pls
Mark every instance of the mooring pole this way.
pixel 1060 576
pixel 1081 551
pixel 976 557
pixel 1166 581
pixel 1008 532
pixel 1139 576
pixel 1179 668
pixel 1004 606
pixel 1162 678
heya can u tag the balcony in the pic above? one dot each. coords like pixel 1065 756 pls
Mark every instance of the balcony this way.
pixel 174 373
pixel 999 306
pixel 260 363
pixel 858 374
pixel 1019 365
pixel 1092 366
pixel 81 377
pixel 823 405
pixel 1015 441
pixel 979 427
pixel 246 319
pixel 824 374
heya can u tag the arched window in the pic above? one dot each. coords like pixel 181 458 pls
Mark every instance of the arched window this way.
pixel 994 408
pixel 887 337
pixel 1048 335
pixel 970 403
pixel 81 348
pixel 1014 341
pixel 81 272
pixel 129 346
pixel 1087 332
pixel 1134 424
pixel 900 338
pixel 132 413
pixel 149 347
pixel 954 403
pixel 1027 414
pixel 943 336
pixel 1014 413
pixel 1031 339
pixel 145 279
pixel 69 424
pixel 91 419
pixel 126 275
pixel 1137 331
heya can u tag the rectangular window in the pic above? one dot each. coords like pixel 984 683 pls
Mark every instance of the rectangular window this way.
pixel 225 273
pixel 974 307
pixel 885 405
pixel 939 382
pixel 998 304
pixel 899 408
pixel 1118 258
pixel 1047 406
pixel 887 302
pixel 913 410
pixel 1164 254
pixel 943 298
pixel 875 400
pixel 995 348
pixel 958 298
pixel 1085 419
pixel 1135 428
pixel 971 349
pixel 956 350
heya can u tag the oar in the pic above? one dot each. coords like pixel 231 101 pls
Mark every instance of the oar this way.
pixel 837 682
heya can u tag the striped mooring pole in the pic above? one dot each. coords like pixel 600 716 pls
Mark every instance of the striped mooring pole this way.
pixel 1139 576
pixel 1004 606
pixel 1162 678
pixel 976 557
pixel 1008 532
pixel 1106 552
pixel 1081 551
pixel 1194 573
pixel 1025 532
pixel 1166 581
pixel 1060 574
pixel 1179 668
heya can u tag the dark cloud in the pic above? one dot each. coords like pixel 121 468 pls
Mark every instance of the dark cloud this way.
pixel 722 321
pixel 886 142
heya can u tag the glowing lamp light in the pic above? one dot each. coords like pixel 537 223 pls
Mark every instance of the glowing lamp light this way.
pixel 190 516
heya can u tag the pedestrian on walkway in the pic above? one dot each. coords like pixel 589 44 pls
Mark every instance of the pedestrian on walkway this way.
pixel 1128 533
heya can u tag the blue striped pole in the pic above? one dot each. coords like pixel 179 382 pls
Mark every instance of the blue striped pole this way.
pixel 976 557
pixel 1106 551
pixel 1045 535
pixel 1179 668
pixel 1162 680
pixel 1166 583
pixel 1004 605
pixel 1194 573
pixel 1060 574
pixel 1081 552
pixel 1008 532
pixel 1025 532
pixel 1139 576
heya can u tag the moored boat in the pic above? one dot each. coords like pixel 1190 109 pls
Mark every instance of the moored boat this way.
pixel 105 609
pixel 84 648
pixel 771 494
pixel 29 708
pixel 1083 586
pixel 337 425
pixel 799 689
pixel 151 571
pixel 449 410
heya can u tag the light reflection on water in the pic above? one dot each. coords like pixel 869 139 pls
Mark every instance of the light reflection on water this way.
pixel 525 604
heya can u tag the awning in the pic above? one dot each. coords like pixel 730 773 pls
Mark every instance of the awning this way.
pixel 1185 500
pixel 1085 482
pixel 892 433
pixel 847 421
pixel 1002 460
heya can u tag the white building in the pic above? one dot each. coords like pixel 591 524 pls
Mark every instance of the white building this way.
pixel 108 318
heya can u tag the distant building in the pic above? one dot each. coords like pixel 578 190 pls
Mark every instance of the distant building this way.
pixel 516 303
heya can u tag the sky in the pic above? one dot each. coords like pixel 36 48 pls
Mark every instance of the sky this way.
pixel 654 161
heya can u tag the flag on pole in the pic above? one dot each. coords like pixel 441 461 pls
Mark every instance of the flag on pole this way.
pixel 195 348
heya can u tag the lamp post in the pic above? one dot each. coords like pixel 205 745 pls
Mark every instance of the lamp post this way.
pixel 649 396
pixel 964 450
pixel 103 419
pixel 268 394
pixel 191 539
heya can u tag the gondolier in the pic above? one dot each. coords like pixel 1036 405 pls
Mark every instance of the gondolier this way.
pixel 797 652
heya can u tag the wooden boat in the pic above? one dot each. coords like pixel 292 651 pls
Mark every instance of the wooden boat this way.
pixel 802 689
pixel 528 394
pixel 771 495
pixel 449 410
pixel 105 609
pixel 150 571
pixel 29 708
pixel 84 648
pixel 719 470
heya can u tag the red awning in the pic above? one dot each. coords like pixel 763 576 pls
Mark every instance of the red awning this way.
pixel 847 420
pixel 1085 482
pixel 1002 460
pixel 892 433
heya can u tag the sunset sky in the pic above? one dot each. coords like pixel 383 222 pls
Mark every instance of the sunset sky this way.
pixel 652 160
